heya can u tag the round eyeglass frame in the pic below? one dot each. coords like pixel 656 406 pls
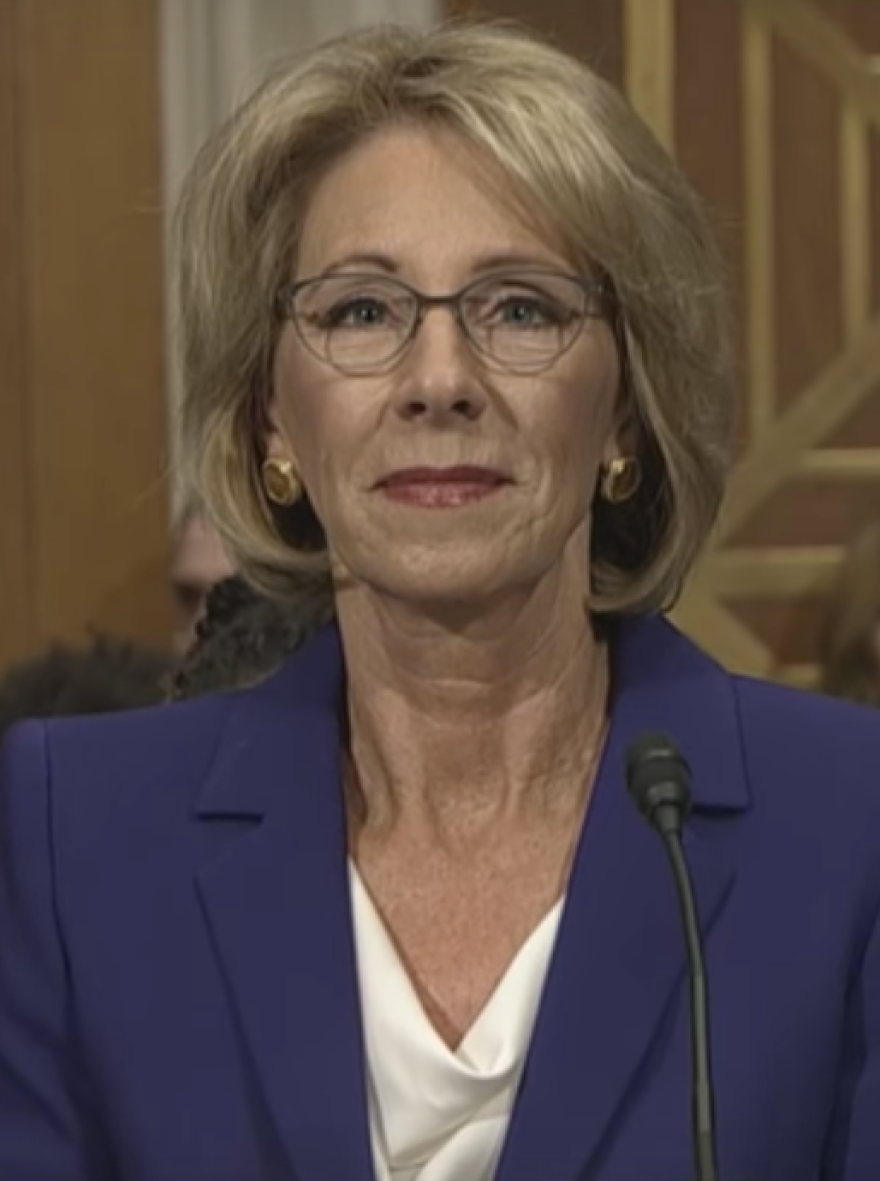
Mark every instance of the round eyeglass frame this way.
pixel 590 286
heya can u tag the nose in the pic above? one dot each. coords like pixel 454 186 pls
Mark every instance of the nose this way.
pixel 440 380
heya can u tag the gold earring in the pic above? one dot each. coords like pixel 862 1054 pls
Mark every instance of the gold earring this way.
pixel 620 479
pixel 280 482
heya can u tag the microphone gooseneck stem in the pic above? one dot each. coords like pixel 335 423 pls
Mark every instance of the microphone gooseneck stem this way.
pixel 703 1114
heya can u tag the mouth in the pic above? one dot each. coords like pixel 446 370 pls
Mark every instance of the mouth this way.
pixel 450 487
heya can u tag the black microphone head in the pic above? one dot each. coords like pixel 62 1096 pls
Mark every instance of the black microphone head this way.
pixel 659 780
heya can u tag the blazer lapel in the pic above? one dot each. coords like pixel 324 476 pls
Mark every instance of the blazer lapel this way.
pixel 620 953
pixel 276 901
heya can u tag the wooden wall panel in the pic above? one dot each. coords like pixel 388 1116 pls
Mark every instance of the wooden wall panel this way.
pixel 807 311
pixel 594 26
pixel 83 524
pixel 811 476
pixel 16 620
pixel 708 37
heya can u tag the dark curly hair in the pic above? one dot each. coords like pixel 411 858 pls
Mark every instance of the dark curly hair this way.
pixel 103 675
pixel 243 635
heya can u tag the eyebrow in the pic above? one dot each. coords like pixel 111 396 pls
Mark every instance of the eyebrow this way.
pixel 485 263
pixel 383 262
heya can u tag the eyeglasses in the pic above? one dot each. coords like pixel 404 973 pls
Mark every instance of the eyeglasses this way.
pixel 363 323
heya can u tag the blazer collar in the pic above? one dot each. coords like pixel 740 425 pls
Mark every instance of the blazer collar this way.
pixel 276 902
pixel 660 681
pixel 275 728
pixel 620 955
pixel 278 909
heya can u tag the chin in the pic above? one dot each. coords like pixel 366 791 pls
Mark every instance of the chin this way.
pixel 438 577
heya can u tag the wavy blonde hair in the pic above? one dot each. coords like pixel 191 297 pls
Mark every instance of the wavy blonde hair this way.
pixel 577 157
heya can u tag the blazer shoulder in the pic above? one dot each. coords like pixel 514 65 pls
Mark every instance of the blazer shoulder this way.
pixel 133 761
pixel 810 717
pixel 161 737
pixel 830 749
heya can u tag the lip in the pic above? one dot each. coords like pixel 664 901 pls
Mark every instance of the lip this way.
pixel 446 487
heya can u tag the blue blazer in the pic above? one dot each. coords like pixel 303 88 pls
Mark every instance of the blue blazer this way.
pixel 178 998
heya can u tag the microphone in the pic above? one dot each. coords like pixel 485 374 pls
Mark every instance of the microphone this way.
pixel 659 781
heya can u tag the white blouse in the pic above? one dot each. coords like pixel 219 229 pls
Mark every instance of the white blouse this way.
pixel 438 1114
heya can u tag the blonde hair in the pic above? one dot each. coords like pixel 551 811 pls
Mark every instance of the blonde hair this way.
pixel 588 167
pixel 848 666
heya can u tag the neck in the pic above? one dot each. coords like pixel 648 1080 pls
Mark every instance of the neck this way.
pixel 475 721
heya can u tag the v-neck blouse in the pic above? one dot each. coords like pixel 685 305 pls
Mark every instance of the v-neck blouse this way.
pixel 438 1114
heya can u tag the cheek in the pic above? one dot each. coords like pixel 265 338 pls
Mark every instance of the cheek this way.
pixel 578 433
pixel 588 401
pixel 327 423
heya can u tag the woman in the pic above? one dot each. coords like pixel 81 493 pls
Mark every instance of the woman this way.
pixel 453 328
pixel 850 640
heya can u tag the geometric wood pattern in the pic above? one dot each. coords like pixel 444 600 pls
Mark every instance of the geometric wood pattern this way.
pixel 758 595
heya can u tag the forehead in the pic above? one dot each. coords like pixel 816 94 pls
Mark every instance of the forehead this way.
pixel 421 196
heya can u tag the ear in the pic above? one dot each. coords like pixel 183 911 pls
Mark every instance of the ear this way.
pixel 611 450
pixel 275 440
pixel 623 436
pixel 615 445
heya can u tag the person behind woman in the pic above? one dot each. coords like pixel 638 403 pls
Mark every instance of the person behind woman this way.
pixel 103 674
pixel 198 562
pixel 849 650
pixel 453 327
pixel 243 635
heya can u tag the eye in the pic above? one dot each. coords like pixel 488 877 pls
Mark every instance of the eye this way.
pixel 518 309
pixel 361 311
pixel 525 311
